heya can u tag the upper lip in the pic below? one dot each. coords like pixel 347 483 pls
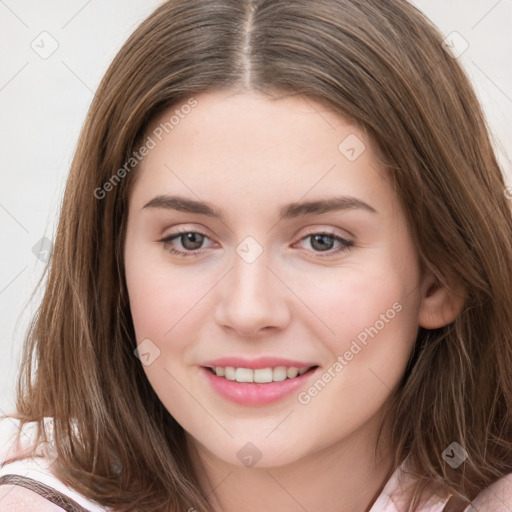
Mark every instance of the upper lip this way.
pixel 258 363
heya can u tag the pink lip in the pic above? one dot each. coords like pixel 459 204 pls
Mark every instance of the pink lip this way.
pixel 253 394
pixel 254 364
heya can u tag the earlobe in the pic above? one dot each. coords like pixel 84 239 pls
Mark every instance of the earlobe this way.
pixel 440 303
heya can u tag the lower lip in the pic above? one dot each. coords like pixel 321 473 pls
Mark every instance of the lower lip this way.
pixel 253 394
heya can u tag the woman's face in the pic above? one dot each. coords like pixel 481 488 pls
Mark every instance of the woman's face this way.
pixel 263 238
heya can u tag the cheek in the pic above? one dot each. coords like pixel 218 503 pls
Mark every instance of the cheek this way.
pixel 375 326
pixel 160 294
pixel 372 313
pixel 356 300
pixel 162 307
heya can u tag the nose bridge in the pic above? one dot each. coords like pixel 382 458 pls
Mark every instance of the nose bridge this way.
pixel 251 299
pixel 250 278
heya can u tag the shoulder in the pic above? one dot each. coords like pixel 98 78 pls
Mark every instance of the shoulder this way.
pixel 27 481
pixel 15 440
pixel 14 498
pixel 22 442
pixel 497 497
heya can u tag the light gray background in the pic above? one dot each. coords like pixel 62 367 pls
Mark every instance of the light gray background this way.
pixel 43 103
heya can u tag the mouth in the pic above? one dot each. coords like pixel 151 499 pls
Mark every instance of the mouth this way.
pixel 257 382
pixel 260 375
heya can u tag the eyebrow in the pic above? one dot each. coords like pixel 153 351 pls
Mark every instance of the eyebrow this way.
pixel 288 211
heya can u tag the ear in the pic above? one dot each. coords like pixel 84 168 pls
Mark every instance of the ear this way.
pixel 440 303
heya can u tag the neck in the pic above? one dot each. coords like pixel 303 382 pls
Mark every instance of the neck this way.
pixel 345 476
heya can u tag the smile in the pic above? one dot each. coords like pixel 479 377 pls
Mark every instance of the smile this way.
pixel 257 387
pixel 260 375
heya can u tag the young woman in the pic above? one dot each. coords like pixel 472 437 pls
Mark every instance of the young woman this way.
pixel 281 277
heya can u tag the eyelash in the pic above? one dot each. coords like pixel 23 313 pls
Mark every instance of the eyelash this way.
pixel 345 244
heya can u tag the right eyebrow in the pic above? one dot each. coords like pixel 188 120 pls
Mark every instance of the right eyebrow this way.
pixel 182 204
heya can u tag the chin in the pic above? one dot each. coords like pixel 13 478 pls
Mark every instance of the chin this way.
pixel 259 453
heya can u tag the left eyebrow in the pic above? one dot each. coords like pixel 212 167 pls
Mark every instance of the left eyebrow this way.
pixel 288 211
pixel 293 210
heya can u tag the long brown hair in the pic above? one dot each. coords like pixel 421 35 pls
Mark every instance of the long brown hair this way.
pixel 379 63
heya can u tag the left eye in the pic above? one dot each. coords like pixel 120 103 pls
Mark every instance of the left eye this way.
pixel 323 242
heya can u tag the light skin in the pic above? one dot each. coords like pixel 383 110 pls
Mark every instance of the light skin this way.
pixel 302 298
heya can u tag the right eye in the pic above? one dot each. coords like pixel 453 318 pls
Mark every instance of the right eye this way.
pixel 190 241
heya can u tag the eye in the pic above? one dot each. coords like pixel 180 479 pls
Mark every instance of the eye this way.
pixel 325 242
pixel 190 241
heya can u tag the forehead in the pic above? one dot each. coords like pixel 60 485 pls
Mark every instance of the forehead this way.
pixel 258 146
pixel 258 117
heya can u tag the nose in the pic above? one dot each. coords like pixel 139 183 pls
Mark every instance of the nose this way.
pixel 253 300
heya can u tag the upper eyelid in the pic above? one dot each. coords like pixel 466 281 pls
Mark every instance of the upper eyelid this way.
pixel 314 230
pixel 183 232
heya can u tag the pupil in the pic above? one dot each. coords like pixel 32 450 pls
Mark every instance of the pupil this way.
pixel 323 244
pixel 192 240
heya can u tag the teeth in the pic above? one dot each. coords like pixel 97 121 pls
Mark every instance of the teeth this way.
pixel 244 375
pixel 261 375
pixel 229 373
pixel 279 373
pixel 292 373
